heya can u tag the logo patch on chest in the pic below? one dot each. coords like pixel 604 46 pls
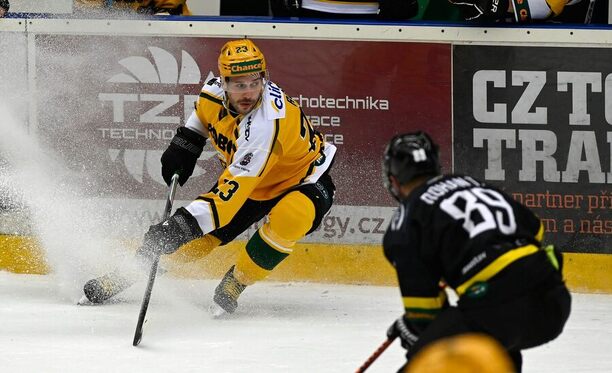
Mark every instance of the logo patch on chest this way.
pixel 246 159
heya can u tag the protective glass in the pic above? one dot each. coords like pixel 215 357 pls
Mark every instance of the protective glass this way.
pixel 242 85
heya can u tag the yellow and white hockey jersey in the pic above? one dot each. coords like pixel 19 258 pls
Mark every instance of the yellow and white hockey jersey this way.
pixel 267 152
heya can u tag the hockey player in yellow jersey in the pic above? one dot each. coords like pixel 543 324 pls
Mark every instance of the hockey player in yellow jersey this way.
pixel 276 165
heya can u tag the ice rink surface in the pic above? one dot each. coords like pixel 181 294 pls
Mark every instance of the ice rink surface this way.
pixel 278 327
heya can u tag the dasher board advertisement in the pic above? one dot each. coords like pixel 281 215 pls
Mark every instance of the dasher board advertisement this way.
pixel 111 104
pixel 537 122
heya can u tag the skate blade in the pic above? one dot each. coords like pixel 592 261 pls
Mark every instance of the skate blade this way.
pixel 85 302
pixel 218 312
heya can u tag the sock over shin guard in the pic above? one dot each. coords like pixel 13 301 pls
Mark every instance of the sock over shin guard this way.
pixel 289 221
pixel 257 260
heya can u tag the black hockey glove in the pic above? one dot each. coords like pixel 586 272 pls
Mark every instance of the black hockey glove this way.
pixel 182 154
pixel 401 328
pixel 482 10
pixel 166 237
pixel 397 9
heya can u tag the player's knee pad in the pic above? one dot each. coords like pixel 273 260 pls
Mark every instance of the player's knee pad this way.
pixel 321 194
pixel 289 220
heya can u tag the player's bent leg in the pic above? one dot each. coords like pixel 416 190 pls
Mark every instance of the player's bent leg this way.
pixel 254 263
pixel 163 238
pixel 547 311
pixel 101 289
pixel 449 322
pixel 196 249
pixel 289 221
pixel 227 293
pixel 189 253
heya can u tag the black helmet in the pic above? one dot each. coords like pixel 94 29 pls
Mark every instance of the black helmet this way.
pixel 408 156
pixel 5 4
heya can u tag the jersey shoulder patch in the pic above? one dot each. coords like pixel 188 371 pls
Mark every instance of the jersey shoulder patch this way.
pixel 213 91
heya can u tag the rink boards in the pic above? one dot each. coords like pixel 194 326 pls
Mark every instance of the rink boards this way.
pixel 107 96
pixel 342 264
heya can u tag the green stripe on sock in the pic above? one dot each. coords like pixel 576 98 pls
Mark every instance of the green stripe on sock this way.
pixel 263 254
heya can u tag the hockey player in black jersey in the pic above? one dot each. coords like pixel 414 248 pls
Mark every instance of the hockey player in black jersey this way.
pixel 455 231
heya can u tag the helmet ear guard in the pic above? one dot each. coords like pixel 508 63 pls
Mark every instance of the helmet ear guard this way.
pixel 407 157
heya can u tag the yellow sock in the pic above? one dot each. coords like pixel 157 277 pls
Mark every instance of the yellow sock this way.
pixel 196 249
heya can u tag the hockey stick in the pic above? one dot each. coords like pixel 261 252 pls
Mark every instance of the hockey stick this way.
pixel 589 12
pixel 153 273
pixel 375 355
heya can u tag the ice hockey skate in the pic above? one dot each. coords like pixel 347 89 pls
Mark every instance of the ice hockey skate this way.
pixel 101 289
pixel 226 295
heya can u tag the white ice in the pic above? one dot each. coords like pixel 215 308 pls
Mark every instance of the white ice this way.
pixel 278 327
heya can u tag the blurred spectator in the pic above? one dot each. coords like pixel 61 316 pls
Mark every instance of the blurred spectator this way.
pixel 584 11
pixel 356 9
pixel 158 7
pixel 439 10
pixel 244 8
pixel 523 11
pixel 164 7
pixel 4 7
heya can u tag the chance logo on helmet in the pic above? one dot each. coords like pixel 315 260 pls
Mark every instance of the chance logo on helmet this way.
pixel 249 67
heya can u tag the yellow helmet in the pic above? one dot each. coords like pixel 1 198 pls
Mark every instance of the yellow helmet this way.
pixel 241 57
pixel 466 353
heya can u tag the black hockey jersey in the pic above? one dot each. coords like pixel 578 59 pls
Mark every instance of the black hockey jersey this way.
pixel 457 230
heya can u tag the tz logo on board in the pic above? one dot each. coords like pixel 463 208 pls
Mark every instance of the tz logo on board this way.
pixel 159 70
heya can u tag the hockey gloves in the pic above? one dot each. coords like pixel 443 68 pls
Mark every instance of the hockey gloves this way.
pixel 482 10
pixel 166 237
pixel 401 328
pixel 182 154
